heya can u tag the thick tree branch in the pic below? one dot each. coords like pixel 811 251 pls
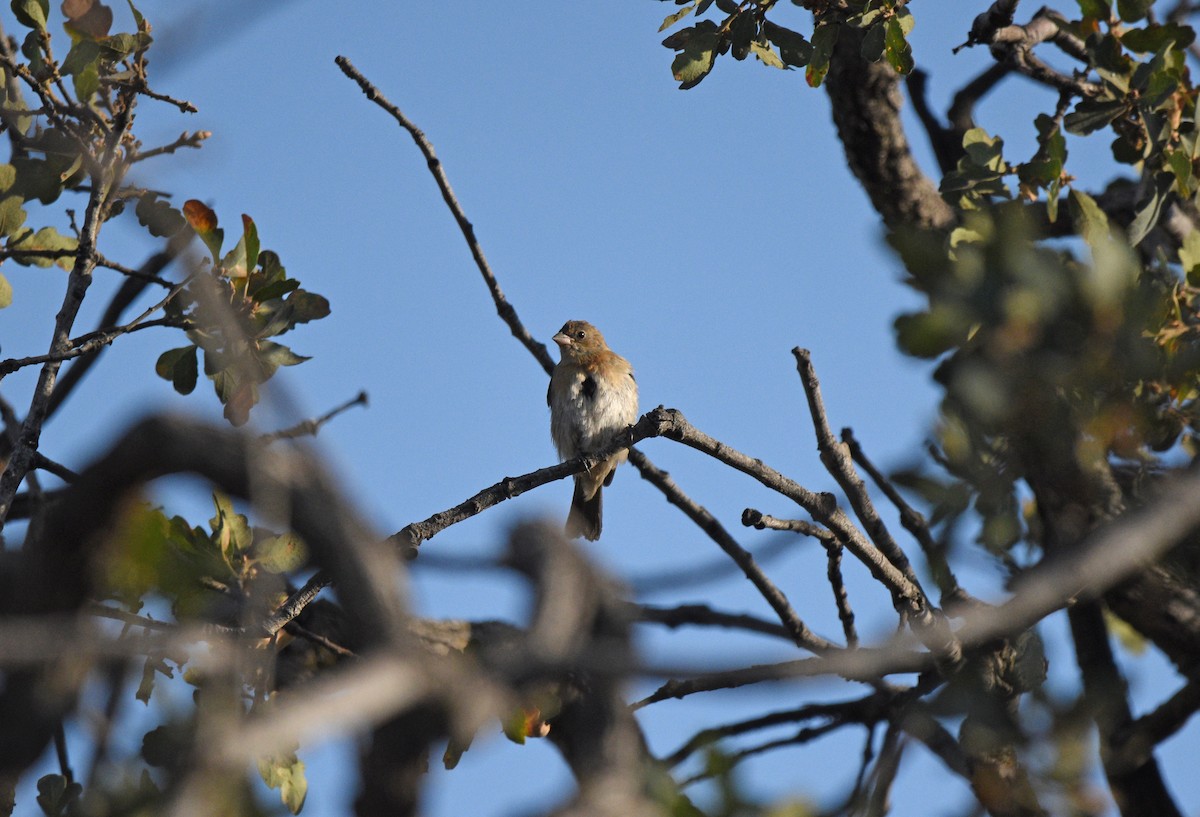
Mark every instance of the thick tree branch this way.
pixel 865 100
pixel 1138 790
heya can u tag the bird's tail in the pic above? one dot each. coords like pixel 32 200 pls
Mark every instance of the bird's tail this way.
pixel 584 518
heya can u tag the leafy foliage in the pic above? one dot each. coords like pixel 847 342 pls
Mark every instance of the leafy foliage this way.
pixel 232 313
pixel 744 29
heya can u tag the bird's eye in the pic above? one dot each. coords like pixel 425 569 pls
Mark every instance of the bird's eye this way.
pixel 580 335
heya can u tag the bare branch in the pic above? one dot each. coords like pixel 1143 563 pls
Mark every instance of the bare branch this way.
pixel 837 462
pixel 962 108
pixel 865 710
pixel 742 558
pixel 80 278
pixel 912 521
pixel 185 140
pixel 506 311
pixel 1138 789
pixel 833 549
pixel 309 428
pixel 1132 746
pixel 78 347
pixel 702 615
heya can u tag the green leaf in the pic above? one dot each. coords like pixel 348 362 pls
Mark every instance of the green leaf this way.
pixel 1150 208
pixel 766 55
pixel 119 46
pixel 46 239
pixel 984 151
pixel 83 65
pixel 1090 221
pixel 146 685
pixel 82 54
pixel 231 530
pixel 742 30
pixel 55 794
pixel 1096 9
pixel 37 179
pixel 692 64
pixel 158 216
pixel 6 293
pixel 285 772
pixel 86 83
pixel 138 19
pixel 1180 164
pixel 180 367
pixel 897 50
pixel 250 239
pixel 1189 256
pixel 12 99
pixel 31 47
pixel 164 745
pixel 308 306
pixel 793 48
pixel 930 334
pixel 273 291
pixel 281 554
pixel 1126 151
pixel 1133 10
pixel 824 38
pixel 1090 115
pixel 32 13
pixel 12 214
pixel 1154 38
pixel 672 19
pixel 873 42
pixel 234 263
pixel 272 355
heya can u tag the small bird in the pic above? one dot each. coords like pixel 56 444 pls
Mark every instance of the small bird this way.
pixel 592 398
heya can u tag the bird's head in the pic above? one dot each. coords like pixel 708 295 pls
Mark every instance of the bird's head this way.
pixel 579 340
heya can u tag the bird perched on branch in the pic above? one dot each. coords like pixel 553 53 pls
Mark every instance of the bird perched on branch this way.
pixel 592 399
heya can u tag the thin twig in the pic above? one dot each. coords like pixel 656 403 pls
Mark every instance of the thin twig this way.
pixel 805 735
pixel 841 598
pixel 147 272
pixel 865 710
pixel 913 522
pixel 80 278
pixel 837 462
pixel 867 665
pixel 701 573
pixel 833 549
pixel 803 636
pixel 130 289
pixel 961 113
pixel 90 342
pixel 753 518
pixel 1133 745
pixel 185 140
pixel 139 86
pixel 704 616
pixel 506 311
pixel 309 428
pixel 44 463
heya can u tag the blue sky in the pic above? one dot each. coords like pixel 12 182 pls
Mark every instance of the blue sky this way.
pixel 705 232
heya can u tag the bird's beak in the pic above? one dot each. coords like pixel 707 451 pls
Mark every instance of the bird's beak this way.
pixel 562 340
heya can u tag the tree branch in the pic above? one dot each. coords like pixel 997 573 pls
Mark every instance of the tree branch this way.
pixel 506 311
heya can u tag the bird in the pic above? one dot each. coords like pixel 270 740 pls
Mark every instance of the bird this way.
pixel 593 397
